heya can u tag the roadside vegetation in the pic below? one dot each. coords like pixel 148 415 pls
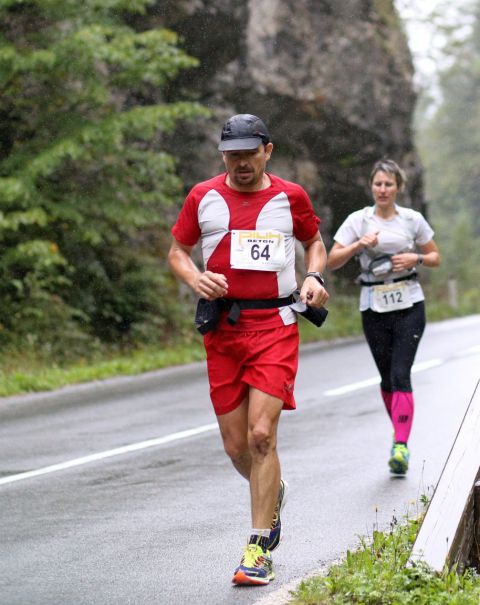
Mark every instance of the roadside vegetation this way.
pixel 89 187
pixel 41 367
pixel 378 573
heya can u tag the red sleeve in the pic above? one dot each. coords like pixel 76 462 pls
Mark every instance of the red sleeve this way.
pixel 186 230
pixel 305 221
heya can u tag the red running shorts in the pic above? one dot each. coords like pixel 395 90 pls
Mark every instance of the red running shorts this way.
pixel 264 359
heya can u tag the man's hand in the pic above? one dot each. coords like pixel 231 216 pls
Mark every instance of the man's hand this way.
pixel 211 285
pixel 313 293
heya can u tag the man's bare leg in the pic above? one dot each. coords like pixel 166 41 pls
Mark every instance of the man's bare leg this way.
pixel 234 431
pixel 263 416
pixel 249 436
pixel 254 455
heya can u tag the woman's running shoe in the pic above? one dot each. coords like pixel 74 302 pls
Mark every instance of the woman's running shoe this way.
pixel 256 567
pixel 399 458
pixel 276 527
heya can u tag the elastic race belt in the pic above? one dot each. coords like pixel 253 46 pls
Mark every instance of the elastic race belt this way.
pixel 389 281
pixel 207 315
pixel 237 305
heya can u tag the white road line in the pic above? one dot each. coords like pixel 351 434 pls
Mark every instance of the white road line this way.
pixel 134 447
pixel 354 386
pixel 362 384
pixel 426 365
pixel 472 350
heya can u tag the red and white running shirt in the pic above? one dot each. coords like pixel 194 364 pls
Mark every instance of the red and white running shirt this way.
pixel 212 210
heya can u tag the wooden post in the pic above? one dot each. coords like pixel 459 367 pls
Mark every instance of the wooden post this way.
pixel 452 292
pixel 446 535
pixel 475 554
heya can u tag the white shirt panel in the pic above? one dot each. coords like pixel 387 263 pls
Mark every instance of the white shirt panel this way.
pixel 213 218
pixel 276 214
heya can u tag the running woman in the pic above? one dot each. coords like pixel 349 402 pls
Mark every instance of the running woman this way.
pixel 247 221
pixel 390 242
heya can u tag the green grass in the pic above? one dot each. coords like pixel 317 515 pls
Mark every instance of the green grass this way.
pixel 343 320
pixel 377 574
pixel 26 372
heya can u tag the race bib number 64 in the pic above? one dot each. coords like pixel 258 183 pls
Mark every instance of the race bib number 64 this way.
pixel 257 250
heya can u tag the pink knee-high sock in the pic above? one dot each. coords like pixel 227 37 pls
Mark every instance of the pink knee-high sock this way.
pixel 402 414
pixel 387 400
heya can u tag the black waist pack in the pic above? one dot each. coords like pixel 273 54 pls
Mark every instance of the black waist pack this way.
pixel 381 265
pixel 207 315
pixel 208 311
pixel 316 316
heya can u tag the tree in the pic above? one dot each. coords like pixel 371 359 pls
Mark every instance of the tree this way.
pixel 453 132
pixel 450 146
pixel 84 184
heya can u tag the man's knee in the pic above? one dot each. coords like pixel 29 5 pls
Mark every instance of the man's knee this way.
pixel 260 441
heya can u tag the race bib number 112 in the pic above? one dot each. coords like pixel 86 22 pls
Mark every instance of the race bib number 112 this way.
pixel 257 250
pixel 391 297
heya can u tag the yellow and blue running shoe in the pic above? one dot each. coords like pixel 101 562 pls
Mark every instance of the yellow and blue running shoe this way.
pixel 276 527
pixel 256 567
pixel 399 458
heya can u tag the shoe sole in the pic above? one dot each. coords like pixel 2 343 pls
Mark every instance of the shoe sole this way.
pixel 285 495
pixel 242 579
pixel 397 467
pixel 282 506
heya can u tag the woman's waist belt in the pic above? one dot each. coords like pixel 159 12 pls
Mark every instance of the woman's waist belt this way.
pixel 388 281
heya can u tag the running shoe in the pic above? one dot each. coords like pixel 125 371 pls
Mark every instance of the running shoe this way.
pixel 399 458
pixel 256 567
pixel 276 527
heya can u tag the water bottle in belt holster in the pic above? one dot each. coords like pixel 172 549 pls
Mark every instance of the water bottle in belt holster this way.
pixel 207 315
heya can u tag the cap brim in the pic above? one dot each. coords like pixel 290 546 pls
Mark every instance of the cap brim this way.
pixel 240 144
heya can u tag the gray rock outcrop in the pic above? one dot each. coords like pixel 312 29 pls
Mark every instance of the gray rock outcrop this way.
pixel 331 78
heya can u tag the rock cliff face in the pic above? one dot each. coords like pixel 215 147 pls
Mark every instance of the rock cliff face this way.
pixel 332 79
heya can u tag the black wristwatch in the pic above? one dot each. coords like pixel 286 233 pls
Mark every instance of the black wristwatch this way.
pixel 318 276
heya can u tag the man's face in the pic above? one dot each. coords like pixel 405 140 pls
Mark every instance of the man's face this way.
pixel 246 168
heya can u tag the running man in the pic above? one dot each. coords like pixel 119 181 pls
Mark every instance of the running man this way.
pixel 247 221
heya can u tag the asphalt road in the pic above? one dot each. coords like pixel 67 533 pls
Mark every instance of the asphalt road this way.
pixel 119 492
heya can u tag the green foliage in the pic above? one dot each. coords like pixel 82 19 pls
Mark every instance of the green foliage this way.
pixel 377 573
pixel 24 372
pixel 85 182
pixel 449 143
pixel 343 320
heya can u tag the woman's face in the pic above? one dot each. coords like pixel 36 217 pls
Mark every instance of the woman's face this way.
pixel 384 189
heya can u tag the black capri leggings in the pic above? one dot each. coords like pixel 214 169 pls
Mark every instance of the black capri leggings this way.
pixel 393 338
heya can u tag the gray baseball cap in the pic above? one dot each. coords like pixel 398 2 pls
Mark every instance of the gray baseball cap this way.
pixel 243 131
